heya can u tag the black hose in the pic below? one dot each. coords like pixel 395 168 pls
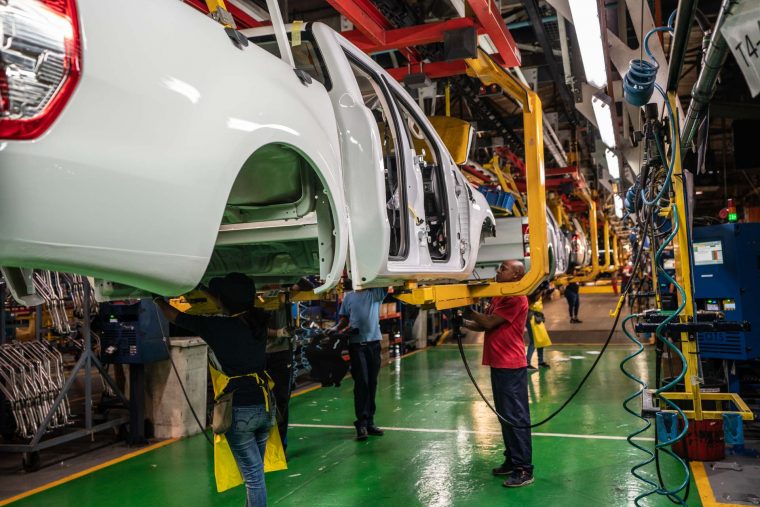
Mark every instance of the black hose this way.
pixel 165 341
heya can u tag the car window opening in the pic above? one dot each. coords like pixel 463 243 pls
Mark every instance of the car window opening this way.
pixel 375 98
pixel 434 186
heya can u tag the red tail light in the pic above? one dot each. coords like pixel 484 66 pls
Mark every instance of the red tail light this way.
pixel 40 64
pixel 526 240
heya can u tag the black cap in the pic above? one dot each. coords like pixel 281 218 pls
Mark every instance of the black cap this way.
pixel 236 291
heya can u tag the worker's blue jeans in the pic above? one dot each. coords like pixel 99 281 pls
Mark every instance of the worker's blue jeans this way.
pixel 573 303
pixel 510 394
pixel 532 344
pixel 247 437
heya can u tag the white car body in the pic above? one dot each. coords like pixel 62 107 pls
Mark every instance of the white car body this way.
pixel 512 242
pixel 172 130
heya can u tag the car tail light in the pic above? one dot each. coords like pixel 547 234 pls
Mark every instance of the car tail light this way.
pixel 40 64
pixel 526 240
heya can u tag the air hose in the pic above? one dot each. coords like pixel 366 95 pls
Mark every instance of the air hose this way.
pixel 647 424
pixel 165 341
pixel 664 445
pixel 660 446
pixel 639 84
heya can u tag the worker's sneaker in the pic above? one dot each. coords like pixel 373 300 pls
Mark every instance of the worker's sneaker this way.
pixel 544 364
pixel 531 367
pixel 361 433
pixel 503 469
pixel 519 478
pixel 375 431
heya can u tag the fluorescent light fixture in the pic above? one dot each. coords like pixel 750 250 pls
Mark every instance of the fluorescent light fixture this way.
pixel 589 32
pixel 613 164
pixel 618 206
pixel 699 192
pixel 486 44
pixel 602 105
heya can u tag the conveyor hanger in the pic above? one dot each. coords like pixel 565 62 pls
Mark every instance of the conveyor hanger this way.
pixel 463 294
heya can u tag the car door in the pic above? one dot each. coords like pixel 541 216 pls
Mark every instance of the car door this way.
pixel 374 174
pixel 435 202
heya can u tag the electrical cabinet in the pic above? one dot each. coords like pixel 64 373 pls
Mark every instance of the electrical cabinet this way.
pixel 727 279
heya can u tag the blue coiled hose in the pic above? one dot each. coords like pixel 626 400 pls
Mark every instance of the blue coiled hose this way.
pixel 647 423
pixel 639 84
pixel 663 446
pixel 639 81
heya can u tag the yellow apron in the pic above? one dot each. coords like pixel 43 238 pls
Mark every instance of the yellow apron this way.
pixel 226 471
pixel 540 334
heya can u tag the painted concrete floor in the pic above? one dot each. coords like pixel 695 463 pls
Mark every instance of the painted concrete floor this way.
pixel 440 444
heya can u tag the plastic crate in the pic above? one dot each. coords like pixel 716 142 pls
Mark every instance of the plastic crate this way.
pixel 498 199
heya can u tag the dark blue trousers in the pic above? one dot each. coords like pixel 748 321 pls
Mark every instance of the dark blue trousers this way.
pixel 510 394
pixel 365 367
pixel 573 303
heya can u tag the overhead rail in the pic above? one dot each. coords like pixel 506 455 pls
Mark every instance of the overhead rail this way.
pixel 456 295
pixel 374 34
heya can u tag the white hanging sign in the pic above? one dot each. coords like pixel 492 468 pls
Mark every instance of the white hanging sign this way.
pixel 742 34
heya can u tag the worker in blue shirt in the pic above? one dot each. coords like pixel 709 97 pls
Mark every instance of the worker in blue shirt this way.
pixel 360 312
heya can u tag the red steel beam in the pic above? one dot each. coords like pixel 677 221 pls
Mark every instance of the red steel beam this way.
pixel 409 36
pixel 365 16
pixel 488 15
pixel 435 70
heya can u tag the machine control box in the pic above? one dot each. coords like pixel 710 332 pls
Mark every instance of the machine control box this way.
pixel 132 333
pixel 727 280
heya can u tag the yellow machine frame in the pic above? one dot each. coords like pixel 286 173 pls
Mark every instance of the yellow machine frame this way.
pixel 462 294
pixel 684 278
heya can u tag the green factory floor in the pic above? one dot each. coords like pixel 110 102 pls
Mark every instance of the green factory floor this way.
pixel 438 450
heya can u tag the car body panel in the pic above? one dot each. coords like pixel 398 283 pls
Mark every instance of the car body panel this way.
pixel 512 243
pixel 131 182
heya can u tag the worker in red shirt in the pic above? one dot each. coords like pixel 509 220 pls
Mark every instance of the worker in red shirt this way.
pixel 504 352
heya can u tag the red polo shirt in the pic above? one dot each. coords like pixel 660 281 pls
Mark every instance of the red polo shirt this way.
pixel 504 346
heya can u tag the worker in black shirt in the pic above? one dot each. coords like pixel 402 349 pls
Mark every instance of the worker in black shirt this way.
pixel 238 340
pixel 280 365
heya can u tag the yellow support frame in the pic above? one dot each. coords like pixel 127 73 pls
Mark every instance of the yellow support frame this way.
pixel 462 294
pixel 682 256
pixel 218 10
pixel 594 270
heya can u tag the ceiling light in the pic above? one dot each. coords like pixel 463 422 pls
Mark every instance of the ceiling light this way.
pixel 589 32
pixel 486 44
pixel 602 105
pixel 618 206
pixel 613 164
pixel 699 192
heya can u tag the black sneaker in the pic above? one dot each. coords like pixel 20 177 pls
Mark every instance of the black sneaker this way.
pixel 375 431
pixel 361 433
pixel 518 479
pixel 531 367
pixel 503 469
pixel 544 365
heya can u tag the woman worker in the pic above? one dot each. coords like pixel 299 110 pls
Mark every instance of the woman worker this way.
pixel 238 340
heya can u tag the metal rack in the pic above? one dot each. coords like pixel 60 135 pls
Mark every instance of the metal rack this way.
pixel 32 374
